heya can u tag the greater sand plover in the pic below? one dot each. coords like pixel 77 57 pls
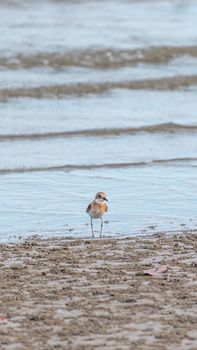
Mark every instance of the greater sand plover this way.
pixel 96 209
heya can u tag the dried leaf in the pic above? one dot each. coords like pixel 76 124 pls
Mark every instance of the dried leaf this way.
pixel 156 271
pixel 3 319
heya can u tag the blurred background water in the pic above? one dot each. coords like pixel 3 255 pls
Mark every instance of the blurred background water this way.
pixel 97 96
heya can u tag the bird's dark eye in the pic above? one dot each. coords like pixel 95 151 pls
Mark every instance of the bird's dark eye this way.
pixel 99 196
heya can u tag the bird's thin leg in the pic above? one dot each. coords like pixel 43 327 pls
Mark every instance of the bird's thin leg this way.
pixel 92 228
pixel 101 231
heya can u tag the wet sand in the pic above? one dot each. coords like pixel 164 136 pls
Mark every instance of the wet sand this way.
pixel 93 294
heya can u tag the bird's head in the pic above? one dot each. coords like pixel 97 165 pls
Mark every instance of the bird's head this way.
pixel 100 197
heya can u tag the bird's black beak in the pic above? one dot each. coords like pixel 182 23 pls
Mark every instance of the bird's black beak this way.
pixel 105 199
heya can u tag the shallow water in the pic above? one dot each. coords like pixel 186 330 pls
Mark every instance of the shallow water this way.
pixel 97 96
pixel 140 202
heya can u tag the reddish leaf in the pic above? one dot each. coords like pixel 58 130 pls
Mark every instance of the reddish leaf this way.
pixel 3 319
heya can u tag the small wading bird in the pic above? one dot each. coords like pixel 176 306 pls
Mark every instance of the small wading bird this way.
pixel 97 209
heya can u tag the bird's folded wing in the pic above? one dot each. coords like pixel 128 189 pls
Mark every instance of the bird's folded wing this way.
pixel 88 208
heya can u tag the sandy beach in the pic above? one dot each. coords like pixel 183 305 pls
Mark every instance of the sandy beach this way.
pixel 93 293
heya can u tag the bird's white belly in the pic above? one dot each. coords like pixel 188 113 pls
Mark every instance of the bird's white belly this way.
pixel 95 213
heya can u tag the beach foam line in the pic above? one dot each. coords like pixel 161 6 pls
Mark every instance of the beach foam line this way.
pixel 98 58
pixel 102 132
pixel 80 89
pixel 73 167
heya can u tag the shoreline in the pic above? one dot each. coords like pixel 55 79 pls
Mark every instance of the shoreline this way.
pixel 66 293
pixel 21 239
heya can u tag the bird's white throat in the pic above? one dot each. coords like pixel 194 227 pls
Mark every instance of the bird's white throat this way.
pixel 99 200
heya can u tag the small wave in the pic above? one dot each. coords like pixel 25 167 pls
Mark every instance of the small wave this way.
pixel 158 128
pixel 101 59
pixel 72 167
pixel 80 89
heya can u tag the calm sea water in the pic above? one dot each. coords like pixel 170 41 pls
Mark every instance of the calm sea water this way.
pixel 97 96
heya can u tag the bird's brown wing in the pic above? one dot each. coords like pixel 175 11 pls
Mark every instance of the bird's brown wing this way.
pixel 106 208
pixel 88 208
